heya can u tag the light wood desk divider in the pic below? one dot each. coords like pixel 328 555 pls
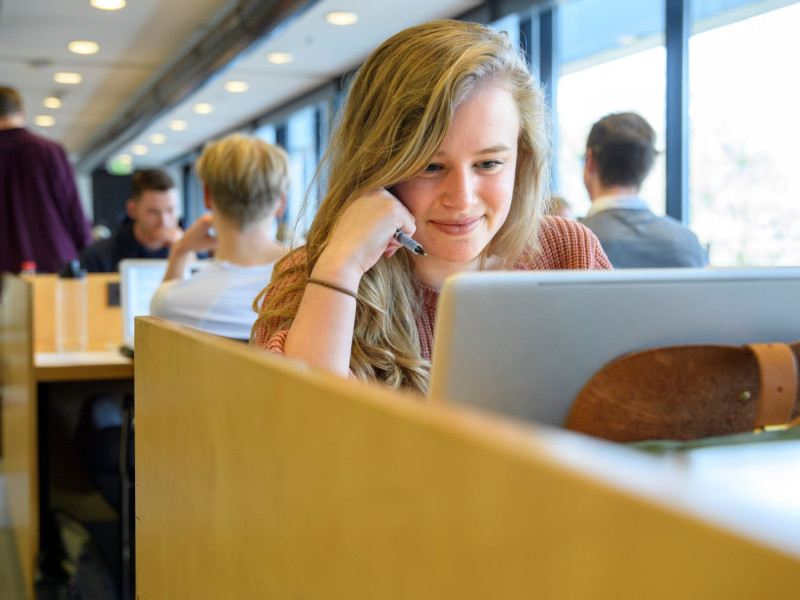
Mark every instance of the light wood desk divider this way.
pixel 105 322
pixel 20 454
pixel 259 478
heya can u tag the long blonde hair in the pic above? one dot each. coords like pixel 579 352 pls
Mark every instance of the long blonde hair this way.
pixel 399 109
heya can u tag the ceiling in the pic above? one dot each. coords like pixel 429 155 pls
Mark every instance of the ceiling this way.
pixel 140 43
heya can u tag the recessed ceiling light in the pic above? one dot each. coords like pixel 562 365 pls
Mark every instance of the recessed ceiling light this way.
pixel 158 138
pixel 237 86
pixel 178 125
pixel 203 108
pixel 52 102
pixel 44 120
pixel 108 4
pixel 139 149
pixel 83 47
pixel 67 78
pixel 341 17
pixel 279 58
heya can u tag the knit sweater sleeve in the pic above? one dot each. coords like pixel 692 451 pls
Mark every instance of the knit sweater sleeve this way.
pixel 566 244
pixel 271 334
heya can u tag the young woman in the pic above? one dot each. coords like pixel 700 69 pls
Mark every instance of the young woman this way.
pixel 443 137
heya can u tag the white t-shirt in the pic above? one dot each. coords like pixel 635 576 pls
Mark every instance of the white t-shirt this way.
pixel 218 299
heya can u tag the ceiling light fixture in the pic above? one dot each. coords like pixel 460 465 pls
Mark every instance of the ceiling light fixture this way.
pixel 341 17
pixel 52 102
pixel 83 47
pixel 108 4
pixel 67 78
pixel 279 58
pixel 178 125
pixel 139 149
pixel 237 87
pixel 44 120
pixel 157 138
pixel 203 108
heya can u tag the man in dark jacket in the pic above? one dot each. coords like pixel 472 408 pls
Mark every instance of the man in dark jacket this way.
pixel 149 229
pixel 41 218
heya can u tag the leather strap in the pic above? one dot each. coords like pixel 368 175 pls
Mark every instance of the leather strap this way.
pixel 777 369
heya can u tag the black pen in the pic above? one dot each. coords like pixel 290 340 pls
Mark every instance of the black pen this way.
pixel 406 240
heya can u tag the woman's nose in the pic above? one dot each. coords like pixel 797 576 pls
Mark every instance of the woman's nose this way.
pixel 460 189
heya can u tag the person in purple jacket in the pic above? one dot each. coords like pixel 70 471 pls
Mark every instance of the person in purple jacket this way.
pixel 41 218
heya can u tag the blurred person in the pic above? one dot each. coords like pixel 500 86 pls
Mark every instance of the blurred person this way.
pixel 41 218
pixel 245 181
pixel 620 152
pixel 149 229
pixel 559 207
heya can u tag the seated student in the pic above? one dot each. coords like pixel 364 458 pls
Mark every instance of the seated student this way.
pixel 245 181
pixel 148 231
pixel 442 138
pixel 559 207
pixel 620 152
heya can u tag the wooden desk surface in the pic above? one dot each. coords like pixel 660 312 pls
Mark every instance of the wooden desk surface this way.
pixel 82 366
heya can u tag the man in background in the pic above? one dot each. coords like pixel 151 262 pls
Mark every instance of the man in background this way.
pixel 148 231
pixel 41 218
pixel 620 152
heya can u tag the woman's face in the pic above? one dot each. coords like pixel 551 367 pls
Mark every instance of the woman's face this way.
pixel 462 198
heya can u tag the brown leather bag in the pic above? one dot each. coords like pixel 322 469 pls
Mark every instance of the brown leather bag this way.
pixel 690 392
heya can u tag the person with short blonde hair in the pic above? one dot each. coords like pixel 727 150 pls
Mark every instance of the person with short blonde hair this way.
pixel 245 181
pixel 443 137
pixel 246 177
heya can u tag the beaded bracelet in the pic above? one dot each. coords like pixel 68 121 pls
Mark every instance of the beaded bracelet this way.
pixel 333 287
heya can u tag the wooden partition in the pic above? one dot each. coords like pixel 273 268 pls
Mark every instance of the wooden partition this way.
pixel 257 477
pixel 105 320
pixel 20 420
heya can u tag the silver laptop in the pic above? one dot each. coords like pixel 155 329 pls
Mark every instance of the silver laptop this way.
pixel 139 279
pixel 525 343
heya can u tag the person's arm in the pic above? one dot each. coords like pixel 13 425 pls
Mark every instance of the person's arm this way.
pixel 69 203
pixel 195 239
pixel 322 331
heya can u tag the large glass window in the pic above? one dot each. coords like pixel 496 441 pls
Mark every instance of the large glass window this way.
pixel 611 59
pixel 744 186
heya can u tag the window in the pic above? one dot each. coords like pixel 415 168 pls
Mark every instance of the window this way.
pixel 612 59
pixel 744 187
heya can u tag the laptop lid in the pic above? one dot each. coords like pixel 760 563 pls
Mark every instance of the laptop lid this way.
pixel 525 343
pixel 139 279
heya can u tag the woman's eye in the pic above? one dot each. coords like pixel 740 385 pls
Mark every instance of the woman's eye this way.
pixel 431 169
pixel 488 165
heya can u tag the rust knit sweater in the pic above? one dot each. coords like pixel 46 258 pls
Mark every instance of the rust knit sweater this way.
pixel 565 244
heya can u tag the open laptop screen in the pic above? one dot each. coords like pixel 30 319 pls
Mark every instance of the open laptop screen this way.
pixel 139 279
pixel 525 343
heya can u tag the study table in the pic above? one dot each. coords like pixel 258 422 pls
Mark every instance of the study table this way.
pixel 82 366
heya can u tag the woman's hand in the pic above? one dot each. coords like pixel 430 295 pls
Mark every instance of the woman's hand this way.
pixel 365 232
pixel 322 331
